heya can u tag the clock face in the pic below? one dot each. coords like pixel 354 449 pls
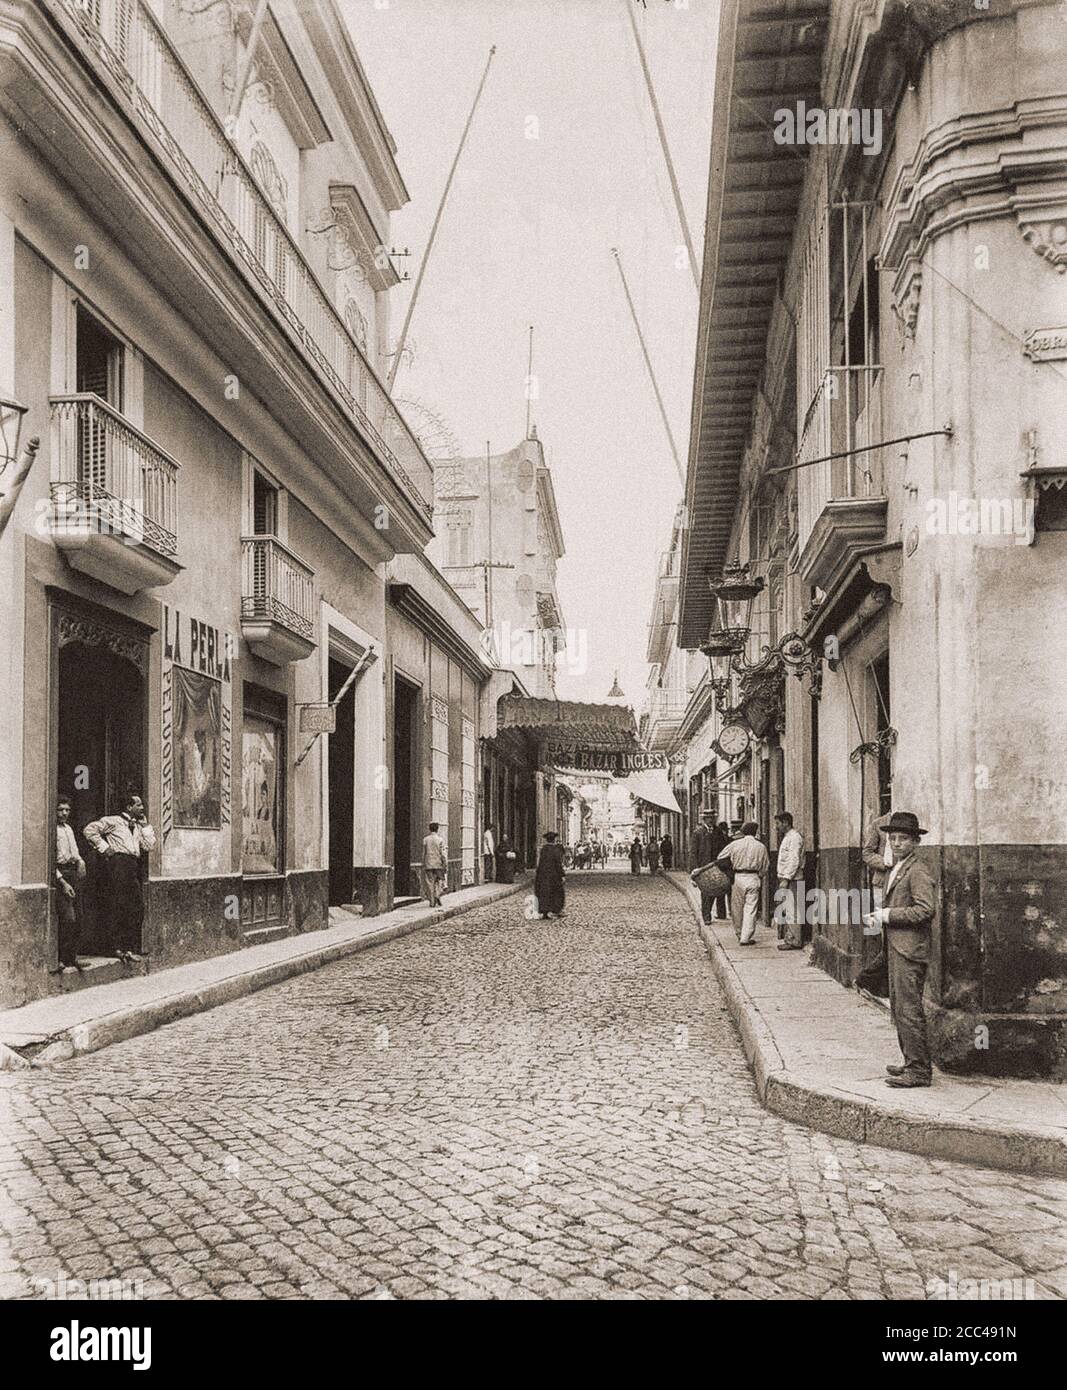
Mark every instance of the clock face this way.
pixel 734 740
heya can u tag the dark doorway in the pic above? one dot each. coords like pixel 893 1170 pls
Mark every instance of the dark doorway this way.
pixel 405 703
pixel 101 758
pixel 342 775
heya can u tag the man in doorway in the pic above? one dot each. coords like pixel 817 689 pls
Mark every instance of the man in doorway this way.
pixel 790 885
pixel 434 864
pixel 488 854
pixel 873 981
pixel 910 908
pixel 70 871
pixel 750 861
pixel 122 840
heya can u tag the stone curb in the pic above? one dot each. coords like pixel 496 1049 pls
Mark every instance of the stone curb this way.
pixel 1018 1148
pixel 121 1024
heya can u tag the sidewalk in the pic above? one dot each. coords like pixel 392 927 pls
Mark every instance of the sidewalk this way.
pixel 818 1052
pixel 64 1025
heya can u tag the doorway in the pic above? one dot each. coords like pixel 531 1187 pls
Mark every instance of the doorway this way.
pixel 342 780
pixel 405 725
pixel 100 759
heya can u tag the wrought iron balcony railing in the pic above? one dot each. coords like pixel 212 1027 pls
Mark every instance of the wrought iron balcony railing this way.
pixel 276 586
pixel 111 477
pixel 130 43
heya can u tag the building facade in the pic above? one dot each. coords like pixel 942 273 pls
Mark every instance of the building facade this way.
pixel 877 415
pixel 194 278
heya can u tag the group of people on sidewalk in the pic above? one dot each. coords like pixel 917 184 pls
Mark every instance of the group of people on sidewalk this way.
pixel 654 854
pixel 901 884
pixel 123 843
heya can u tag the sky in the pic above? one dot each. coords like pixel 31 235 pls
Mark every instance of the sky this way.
pixel 562 163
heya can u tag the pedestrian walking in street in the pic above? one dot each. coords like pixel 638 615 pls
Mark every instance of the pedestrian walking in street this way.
pixel 488 854
pixel 877 853
pixel 506 860
pixel 652 855
pixel 549 878
pixel 70 874
pixel 434 864
pixel 909 910
pixel 790 883
pixel 637 856
pixel 666 852
pixel 750 862
pixel 124 841
pixel 702 850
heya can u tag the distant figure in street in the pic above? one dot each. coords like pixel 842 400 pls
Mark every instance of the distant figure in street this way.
pixel 666 850
pixel 873 980
pixel 750 862
pixel 790 862
pixel 909 911
pixel 122 840
pixel 488 854
pixel 434 864
pixel 652 855
pixel 637 856
pixel 70 872
pixel 704 850
pixel 506 860
pixel 549 878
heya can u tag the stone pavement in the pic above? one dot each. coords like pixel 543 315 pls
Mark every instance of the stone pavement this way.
pixel 489 1107
pixel 65 1025
pixel 818 1052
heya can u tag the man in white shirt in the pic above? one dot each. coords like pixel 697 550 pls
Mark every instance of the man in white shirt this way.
pixel 488 854
pixel 790 882
pixel 121 840
pixel 70 870
pixel 434 865
pixel 750 862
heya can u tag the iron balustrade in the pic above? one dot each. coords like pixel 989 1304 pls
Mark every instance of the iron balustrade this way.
pixel 131 44
pixel 276 585
pixel 112 477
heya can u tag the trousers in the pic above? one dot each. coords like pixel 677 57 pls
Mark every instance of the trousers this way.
pixel 744 904
pixel 906 981
pixel 126 902
pixel 69 911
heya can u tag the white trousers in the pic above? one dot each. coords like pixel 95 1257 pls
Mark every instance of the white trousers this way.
pixel 744 904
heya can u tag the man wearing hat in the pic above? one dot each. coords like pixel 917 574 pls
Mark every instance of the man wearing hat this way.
pixel 909 907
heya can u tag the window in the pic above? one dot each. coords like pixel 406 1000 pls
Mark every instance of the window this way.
pixel 263 783
pixel 837 350
pixel 268 243
pixel 98 371
pixel 459 537
pixel 1051 511
pixel 264 506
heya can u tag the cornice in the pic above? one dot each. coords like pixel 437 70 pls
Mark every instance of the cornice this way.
pixel 57 101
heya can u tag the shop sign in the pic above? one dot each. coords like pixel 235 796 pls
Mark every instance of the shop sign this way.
pixel 197 645
pixel 618 761
pixel 318 718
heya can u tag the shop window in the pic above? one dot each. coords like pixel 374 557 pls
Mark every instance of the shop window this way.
pixel 263 803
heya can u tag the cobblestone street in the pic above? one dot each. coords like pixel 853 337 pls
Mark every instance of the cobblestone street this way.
pixel 492 1107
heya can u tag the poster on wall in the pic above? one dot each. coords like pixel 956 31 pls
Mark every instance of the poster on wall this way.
pixel 197 725
pixel 259 782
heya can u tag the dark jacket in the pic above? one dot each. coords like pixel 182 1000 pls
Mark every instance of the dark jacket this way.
pixel 912 904
pixel 548 880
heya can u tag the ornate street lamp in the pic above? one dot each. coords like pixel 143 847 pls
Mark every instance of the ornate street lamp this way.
pixel 12 414
pixel 734 594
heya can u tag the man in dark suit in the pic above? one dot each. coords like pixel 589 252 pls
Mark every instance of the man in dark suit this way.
pixel 908 910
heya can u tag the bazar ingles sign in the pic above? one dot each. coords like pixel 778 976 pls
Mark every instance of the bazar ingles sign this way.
pixel 619 761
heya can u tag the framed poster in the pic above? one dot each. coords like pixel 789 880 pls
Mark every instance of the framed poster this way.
pixel 197 749
pixel 261 800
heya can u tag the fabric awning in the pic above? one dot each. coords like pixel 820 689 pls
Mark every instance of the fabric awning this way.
pixel 653 787
pixel 601 727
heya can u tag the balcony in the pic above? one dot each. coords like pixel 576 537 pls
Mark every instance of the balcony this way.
pixel 842 501
pixel 130 46
pixel 277 601
pixel 114 510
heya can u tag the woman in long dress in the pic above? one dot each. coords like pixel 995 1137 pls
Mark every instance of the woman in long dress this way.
pixel 506 860
pixel 549 878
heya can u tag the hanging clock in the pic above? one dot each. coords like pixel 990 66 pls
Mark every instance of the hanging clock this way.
pixel 734 740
